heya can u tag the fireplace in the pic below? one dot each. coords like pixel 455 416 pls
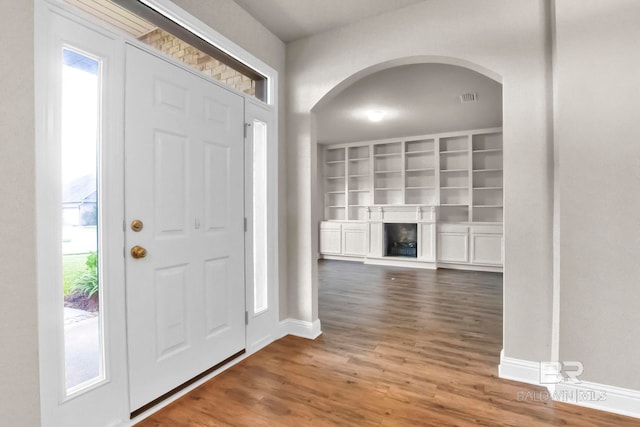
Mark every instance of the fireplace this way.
pixel 401 239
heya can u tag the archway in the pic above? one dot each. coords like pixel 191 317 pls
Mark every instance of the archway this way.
pixel 318 134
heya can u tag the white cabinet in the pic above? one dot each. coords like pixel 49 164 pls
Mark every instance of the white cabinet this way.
pixel 453 243
pixel 473 245
pixel 463 246
pixel 487 245
pixel 344 239
pixel 354 239
pixel 330 238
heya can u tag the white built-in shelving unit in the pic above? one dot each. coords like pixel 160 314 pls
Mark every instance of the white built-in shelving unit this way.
pixel 420 171
pixel 459 172
pixel 335 179
pixel 359 181
pixel 487 177
pixel 450 185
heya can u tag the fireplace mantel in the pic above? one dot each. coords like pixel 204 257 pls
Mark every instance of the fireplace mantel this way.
pixel 410 213
pixel 423 216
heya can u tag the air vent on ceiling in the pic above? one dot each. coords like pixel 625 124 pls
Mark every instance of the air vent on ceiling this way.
pixel 469 97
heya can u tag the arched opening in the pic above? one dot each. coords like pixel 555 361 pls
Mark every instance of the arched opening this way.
pixel 434 147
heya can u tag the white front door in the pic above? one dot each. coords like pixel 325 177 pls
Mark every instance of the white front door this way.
pixel 184 180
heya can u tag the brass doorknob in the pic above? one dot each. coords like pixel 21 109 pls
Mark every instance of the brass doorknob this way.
pixel 138 252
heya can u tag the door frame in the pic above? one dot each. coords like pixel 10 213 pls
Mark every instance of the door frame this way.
pixel 54 409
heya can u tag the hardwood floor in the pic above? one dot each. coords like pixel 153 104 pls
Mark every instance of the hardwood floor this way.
pixel 401 347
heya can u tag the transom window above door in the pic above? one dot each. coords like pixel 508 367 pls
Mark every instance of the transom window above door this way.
pixel 154 29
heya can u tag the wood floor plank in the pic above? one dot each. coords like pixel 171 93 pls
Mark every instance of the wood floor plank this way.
pixel 401 347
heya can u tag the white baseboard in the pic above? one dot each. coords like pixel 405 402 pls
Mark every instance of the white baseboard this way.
pixel 399 262
pixel 520 370
pixel 300 328
pixel 591 395
pixel 604 397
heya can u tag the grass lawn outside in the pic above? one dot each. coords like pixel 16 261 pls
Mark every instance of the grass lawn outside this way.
pixel 73 266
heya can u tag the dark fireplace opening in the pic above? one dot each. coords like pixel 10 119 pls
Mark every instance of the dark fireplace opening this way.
pixel 401 240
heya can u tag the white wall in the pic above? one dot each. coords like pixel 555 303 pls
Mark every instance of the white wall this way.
pixel 508 37
pixel 19 383
pixel 597 75
pixel 233 22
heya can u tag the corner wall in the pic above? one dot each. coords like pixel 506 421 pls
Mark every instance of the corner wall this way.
pixel 508 37
pixel 597 75
pixel 19 388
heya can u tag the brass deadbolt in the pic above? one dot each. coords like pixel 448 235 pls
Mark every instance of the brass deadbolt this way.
pixel 138 252
pixel 136 225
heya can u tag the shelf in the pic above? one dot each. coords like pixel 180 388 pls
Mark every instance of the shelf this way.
pixel 336 207
pixel 359 191
pixel 454 151
pixel 487 188
pixel 419 188
pixel 335 177
pixel 359 176
pixel 359 159
pixel 488 206
pixel 489 150
pixel 358 206
pixel 383 172
pixel 420 170
pixel 388 189
pixel 332 162
pixel 487 170
pixel 455 188
pixel 453 170
pixel 335 192
pixel 409 153
pixel 387 155
pixel 454 204
pixel 404 205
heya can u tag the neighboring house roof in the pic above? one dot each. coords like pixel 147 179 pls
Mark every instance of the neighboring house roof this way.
pixel 80 190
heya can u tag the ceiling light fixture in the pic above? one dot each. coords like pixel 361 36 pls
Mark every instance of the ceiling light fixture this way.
pixel 376 116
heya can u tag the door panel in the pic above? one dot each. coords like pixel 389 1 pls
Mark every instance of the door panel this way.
pixel 184 179
pixel 216 275
pixel 171 316
pixel 216 181
pixel 170 165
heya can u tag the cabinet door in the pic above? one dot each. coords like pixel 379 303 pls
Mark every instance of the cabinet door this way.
pixel 453 245
pixel 426 242
pixel 376 240
pixel 486 248
pixel 354 240
pixel 330 239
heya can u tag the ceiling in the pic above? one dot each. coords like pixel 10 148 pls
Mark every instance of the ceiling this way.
pixel 294 19
pixel 417 99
